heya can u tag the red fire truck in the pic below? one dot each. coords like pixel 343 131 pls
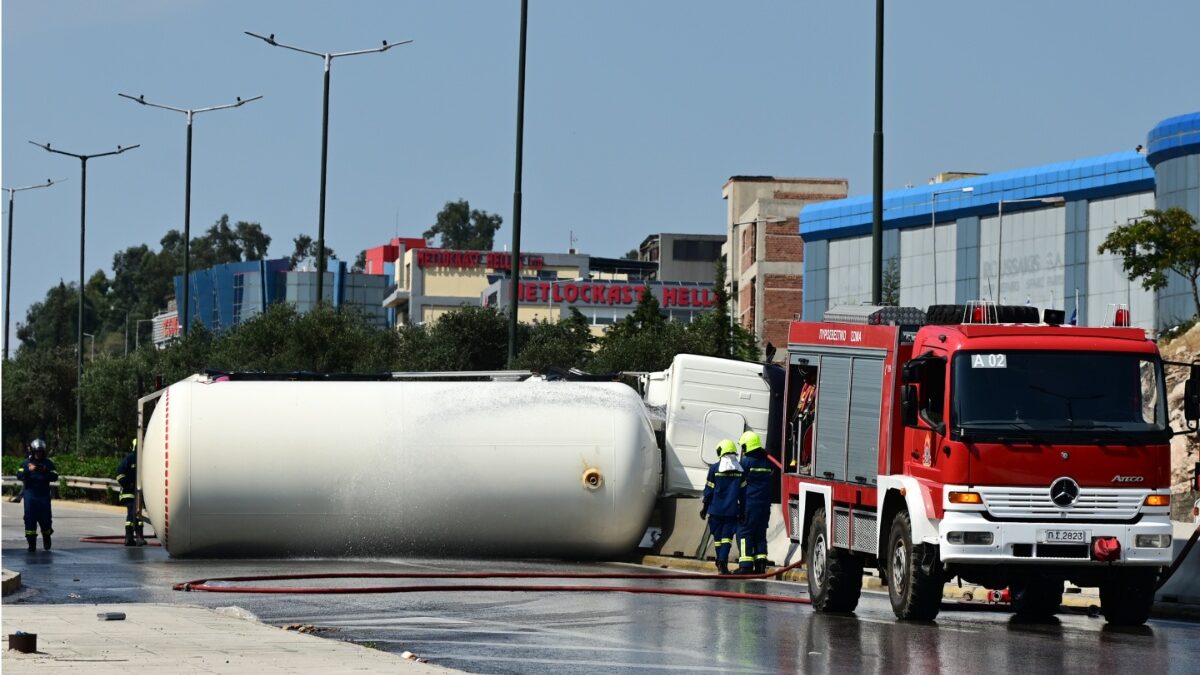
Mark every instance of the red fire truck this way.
pixel 1019 455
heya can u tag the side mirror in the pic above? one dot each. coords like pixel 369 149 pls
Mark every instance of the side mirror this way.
pixel 908 404
pixel 1191 399
pixel 910 372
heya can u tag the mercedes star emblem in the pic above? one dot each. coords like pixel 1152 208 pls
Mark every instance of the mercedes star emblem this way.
pixel 1064 492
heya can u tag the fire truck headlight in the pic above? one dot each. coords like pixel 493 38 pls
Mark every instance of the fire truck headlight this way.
pixel 965 498
pixel 970 538
pixel 1158 500
pixel 1152 541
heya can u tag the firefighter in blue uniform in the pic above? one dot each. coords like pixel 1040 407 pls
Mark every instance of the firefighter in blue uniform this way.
pixel 752 529
pixel 37 474
pixel 127 478
pixel 723 500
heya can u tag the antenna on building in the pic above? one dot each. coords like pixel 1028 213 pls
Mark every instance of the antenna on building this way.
pixel 571 242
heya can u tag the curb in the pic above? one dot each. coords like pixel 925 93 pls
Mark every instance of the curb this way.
pixel 11 582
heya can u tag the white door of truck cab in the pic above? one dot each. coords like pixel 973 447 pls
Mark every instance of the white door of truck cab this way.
pixel 710 399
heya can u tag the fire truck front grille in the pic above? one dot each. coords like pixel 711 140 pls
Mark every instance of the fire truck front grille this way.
pixel 1092 503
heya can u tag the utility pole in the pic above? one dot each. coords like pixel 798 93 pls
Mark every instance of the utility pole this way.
pixel 328 58
pixel 877 172
pixel 187 188
pixel 8 265
pixel 514 271
pixel 83 160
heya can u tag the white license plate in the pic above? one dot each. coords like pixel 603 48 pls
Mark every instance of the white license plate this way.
pixel 1062 536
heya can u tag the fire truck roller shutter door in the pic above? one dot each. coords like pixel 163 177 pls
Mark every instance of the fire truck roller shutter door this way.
pixel 833 418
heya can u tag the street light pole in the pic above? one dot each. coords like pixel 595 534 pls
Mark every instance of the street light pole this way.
pixel 83 159
pixel 515 267
pixel 328 58
pixel 187 189
pixel 8 265
pixel 1053 201
pixel 933 228
pixel 877 169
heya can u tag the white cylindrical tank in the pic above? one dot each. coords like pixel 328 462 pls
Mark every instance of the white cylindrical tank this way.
pixel 299 468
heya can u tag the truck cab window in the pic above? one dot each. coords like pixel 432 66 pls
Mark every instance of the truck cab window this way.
pixel 933 391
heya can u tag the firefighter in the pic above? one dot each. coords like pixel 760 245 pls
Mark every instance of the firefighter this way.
pixel 752 528
pixel 127 478
pixel 723 500
pixel 37 474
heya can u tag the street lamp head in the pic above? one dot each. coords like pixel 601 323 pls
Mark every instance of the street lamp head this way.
pixel 968 189
pixel 1054 201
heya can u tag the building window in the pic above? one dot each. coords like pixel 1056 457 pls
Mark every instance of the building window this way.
pixel 696 250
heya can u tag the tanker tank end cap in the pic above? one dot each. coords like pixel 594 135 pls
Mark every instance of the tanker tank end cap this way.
pixel 592 478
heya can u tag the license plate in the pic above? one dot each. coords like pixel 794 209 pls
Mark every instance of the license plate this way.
pixel 1062 536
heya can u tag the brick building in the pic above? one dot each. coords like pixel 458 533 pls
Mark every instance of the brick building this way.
pixel 764 252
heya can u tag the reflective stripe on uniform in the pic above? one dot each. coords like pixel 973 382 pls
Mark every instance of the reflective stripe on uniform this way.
pixel 30 533
pixel 760 469
pixel 711 485
pixel 120 476
pixel 761 556
pixel 730 474
pixel 125 495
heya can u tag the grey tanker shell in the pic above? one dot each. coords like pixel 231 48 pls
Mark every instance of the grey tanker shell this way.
pixel 294 468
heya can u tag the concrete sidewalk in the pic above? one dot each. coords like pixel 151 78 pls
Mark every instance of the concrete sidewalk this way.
pixel 180 639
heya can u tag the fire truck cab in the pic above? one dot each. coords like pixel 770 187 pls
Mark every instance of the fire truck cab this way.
pixel 1014 454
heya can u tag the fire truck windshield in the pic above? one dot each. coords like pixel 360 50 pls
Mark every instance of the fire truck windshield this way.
pixel 1059 393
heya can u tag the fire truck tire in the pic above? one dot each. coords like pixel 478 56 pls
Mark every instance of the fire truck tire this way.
pixel 1036 598
pixel 1126 599
pixel 915 593
pixel 834 575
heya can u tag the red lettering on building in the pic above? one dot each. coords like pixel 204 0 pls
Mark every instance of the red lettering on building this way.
pixel 598 294
pixel 585 293
pixel 626 295
pixel 463 259
pixel 614 295
pixel 571 292
pixel 668 296
pixel 170 326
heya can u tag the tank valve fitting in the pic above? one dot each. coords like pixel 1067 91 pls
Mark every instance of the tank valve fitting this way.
pixel 592 478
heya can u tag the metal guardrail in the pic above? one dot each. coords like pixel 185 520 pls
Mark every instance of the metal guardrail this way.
pixel 82 482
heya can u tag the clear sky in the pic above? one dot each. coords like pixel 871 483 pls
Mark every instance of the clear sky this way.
pixel 636 111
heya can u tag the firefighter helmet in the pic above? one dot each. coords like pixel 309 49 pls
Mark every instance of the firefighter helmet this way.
pixel 750 442
pixel 726 447
pixel 38 445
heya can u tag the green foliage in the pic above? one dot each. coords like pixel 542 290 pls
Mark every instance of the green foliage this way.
pixel 325 339
pixel 565 344
pixel 890 291
pixel 1161 242
pixel 39 399
pixel 631 254
pixel 470 338
pixel 304 246
pixel 461 227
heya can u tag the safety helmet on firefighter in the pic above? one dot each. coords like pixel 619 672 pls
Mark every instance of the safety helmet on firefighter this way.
pixel 38 445
pixel 726 447
pixel 750 442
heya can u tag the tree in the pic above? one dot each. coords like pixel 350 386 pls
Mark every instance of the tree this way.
pixel 304 247
pixel 360 263
pixel 1161 242
pixel 890 292
pixel 566 343
pixel 470 338
pixel 461 227
pixel 39 397
pixel 631 254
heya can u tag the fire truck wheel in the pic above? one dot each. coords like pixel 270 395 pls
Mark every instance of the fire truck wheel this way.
pixel 1036 598
pixel 1127 597
pixel 915 593
pixel 834 575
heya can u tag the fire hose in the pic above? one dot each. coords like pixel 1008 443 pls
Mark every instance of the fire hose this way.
pixel 1178 559
pixel 207 584
pixel 115 539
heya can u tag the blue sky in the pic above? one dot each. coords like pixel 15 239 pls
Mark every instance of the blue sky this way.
pixel 636 112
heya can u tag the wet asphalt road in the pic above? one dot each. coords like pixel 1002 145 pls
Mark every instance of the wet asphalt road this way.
pixel 521 632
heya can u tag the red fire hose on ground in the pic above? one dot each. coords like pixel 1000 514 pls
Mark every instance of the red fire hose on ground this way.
pixel 206 584
pixel 115 539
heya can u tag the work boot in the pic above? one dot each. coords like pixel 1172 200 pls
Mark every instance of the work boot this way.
pixel 722 567
pixel 760 566
pixel 129 536
pixel 139 539
pixel 32 539
pixel 744 570
pixel 46 541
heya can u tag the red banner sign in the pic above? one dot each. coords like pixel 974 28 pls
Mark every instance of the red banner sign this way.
pixel 489 259
pixel 613 294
